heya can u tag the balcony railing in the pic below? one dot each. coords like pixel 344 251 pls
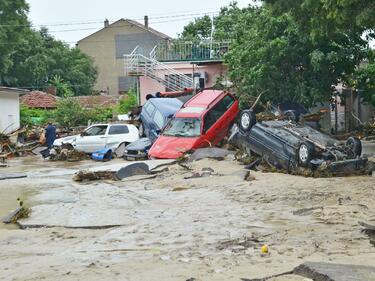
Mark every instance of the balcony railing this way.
pixel 189 51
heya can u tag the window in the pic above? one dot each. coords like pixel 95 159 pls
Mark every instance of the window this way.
pixel 217 111
pixel 95 131
pixel 118 130
pixel 183 127
pixel 149 107
pixel 159 119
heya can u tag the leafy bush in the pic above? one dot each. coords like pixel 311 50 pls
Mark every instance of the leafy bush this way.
pixel 99 114
pixel 70 113
pixel 127 103
pixel 35 116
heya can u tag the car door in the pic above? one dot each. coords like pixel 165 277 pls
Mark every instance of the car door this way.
pixel 92 139
pixel 118 134
pixel 215 122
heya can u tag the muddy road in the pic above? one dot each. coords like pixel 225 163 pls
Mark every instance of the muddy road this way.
pixel 172 228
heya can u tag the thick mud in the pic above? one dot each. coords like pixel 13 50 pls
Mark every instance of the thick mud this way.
pixel 168 227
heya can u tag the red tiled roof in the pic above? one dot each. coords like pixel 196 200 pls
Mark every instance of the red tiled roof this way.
pixel 38 99
pixel 94 101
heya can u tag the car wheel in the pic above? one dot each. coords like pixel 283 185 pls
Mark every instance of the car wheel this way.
pixel 119 151
pixel 247 120
pixel 305 154
pixel 141 130
pixel 355 146
pixel 291 116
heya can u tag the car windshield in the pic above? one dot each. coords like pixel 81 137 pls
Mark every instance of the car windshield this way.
pixel 183 127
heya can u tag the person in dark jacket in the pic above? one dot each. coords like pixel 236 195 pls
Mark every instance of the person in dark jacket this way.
pixel 50 134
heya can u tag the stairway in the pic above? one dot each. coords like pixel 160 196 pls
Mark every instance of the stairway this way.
pixel 137 64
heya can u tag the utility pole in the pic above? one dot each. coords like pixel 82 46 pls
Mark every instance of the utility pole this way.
pixel 212 34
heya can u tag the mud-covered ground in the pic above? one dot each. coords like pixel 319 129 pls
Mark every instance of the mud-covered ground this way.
pixel 173 228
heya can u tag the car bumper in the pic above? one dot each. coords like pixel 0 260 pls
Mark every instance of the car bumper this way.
pixel 139 156
pixel 346 167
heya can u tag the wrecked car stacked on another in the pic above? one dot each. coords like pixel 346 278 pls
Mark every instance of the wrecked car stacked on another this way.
pixel 204 120
pixel 155 114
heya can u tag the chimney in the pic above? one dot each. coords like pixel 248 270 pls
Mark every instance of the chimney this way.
pixel 146 21
pixel 106 23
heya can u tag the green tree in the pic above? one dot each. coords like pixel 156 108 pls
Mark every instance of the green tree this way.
pixel 13 20
pixel 39 57
pixel 197 30
pixel 70 113
pixel 62 88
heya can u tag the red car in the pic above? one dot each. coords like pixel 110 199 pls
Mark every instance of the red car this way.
pixel 203 121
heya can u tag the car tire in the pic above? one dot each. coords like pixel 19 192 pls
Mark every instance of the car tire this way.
pixel 247 120
pixel 305 154
pixel 291 116
pixel 141 130
pixel 355 146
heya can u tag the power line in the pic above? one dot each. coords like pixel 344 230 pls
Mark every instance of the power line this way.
pixel 95 22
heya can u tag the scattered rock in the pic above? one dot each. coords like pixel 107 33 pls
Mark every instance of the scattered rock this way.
pixel 134 169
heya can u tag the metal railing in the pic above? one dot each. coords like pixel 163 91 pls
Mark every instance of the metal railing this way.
pixel 137 64
pixel 190 51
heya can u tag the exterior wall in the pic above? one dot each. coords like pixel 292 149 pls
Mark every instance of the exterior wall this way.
pixel 101 47
pixel 150 86
pixel 9 111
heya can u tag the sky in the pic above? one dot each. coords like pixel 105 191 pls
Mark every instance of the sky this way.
pixel 72 20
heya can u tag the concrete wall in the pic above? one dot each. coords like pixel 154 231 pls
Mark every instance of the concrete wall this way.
pixel 101 47
pixel 150 86
pixel 9 111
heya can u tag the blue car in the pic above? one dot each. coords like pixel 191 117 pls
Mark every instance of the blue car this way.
pixel 155 114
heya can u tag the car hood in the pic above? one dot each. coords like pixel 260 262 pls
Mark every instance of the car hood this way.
pixel 139 145
pixel 69 139
pixel 166 147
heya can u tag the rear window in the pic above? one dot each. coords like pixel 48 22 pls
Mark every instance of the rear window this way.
pixel 217 111
pixel 118 130
pixel 159 119
pixel 149 107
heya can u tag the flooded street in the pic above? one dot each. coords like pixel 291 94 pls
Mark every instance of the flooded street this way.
pixel 172 228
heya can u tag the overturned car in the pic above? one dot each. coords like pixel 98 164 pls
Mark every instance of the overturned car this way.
pixel 288 145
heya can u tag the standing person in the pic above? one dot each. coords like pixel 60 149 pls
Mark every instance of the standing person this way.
pixel 50 134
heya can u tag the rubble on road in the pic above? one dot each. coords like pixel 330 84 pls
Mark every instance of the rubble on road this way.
pixel 321 271
pixel 85 176
pixel 66 153
pixel 211 153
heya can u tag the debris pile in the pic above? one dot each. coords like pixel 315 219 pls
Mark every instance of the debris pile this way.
pixel 66 153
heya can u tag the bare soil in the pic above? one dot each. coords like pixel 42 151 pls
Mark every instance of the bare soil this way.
pixel 172 228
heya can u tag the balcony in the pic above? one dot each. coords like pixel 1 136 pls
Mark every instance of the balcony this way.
pixel 177 51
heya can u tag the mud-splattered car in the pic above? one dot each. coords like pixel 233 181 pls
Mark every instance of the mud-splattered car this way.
pixel 203 121
pixel 287 145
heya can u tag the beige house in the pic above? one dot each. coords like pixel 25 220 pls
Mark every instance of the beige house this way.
pixel 108 46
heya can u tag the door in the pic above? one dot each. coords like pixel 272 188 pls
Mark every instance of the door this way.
pixel 217 120
pixel 118 134
pixel 92 139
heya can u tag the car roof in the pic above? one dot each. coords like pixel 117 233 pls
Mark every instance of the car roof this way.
pixel 167 106
pixel 198 104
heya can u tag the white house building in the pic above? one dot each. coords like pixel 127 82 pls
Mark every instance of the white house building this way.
pixel 9 109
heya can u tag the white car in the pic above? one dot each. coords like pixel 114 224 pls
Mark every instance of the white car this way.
pixel 100 136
